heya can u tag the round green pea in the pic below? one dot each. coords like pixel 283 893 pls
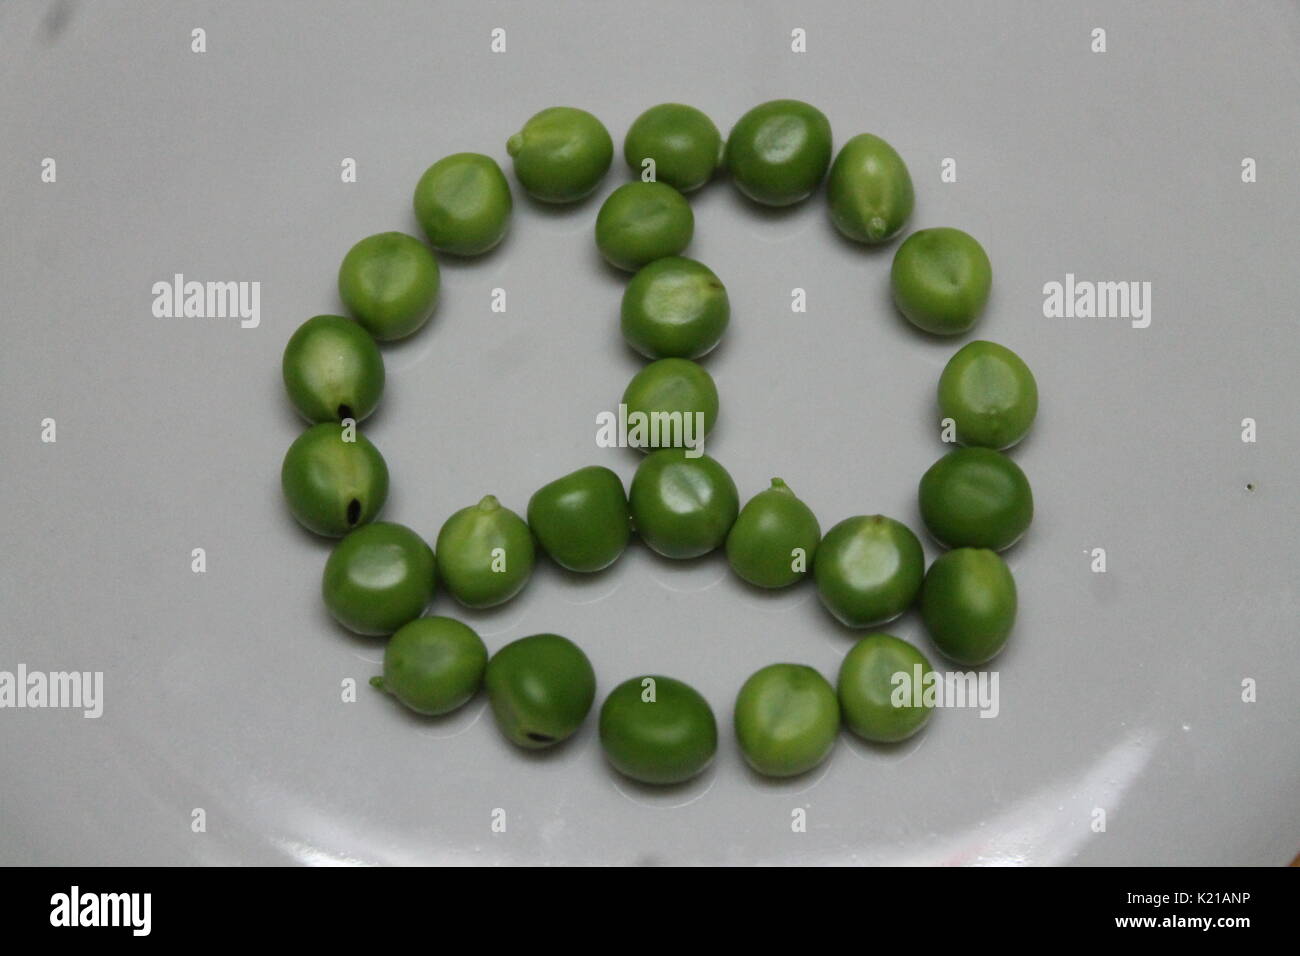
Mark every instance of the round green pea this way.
pixel 990 394
pixel 683 143
pixel 561 154
pixel 582 520
pixel 675 402
pixel 389 282
pixel 869 190
pixel 378 578
pixel 333 370
pixel 682 507
pixel 657 730
pixel 976 498
pixel 774 539
pixel 787 718
pixel 778 152
pixel 433 665
pixel 641 222
pixel 868 570
pixel 968 604
pixel 463 204
pixel 882 689
pixel 485 554
pixel 941 279
pixel 540 689
pixel 674 308
pixel 332 485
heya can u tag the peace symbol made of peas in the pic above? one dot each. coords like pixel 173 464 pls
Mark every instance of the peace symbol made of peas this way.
pixel 868 569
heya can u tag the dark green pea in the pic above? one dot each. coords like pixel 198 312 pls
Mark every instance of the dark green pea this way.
pixel 682 507
pixel 657 730
pixel 675 308
pixel 869 190
pixel 378 578
pixel 990 394
pixel 463 204
pixel 485 554
pixel 333 485
pixel 333 370
pixel 641 222
pixel 561 154
pixel 976 498
pixel 941 280
pixel 868 570
pixel 675 402
pixel 968 604
pixel 882 689
pixel 787 719
pixel 778 152
pixel 540 688
pixel 774 540
pixel 582 519
pixel 433 665
pixel 685 145
pixel 389 282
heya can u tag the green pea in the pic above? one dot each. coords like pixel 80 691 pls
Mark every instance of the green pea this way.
pixel 675 308
pixel 941 279
pixel 685 145
pixel 778 152
pixel 332 485
pixel 540 688
pixel 378 578
pixel 433 665
pixel 976 498
pixel 868 570
pixel 882 688
pixel 657 730
pixel 774 540
pixel 485 554
pixel 333 370
pixel 682 507
pixel 869 190
pixel 561 154
pixel 463 204
pixel 389 282
pixel 676 401
pixel 968 604
pixel 787 719
pixel 641 222
pixel 990 394
pixel 582 519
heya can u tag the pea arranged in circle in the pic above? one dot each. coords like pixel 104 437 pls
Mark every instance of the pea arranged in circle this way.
pixel 640 222
pixel 968 604
pixel 561 154
pixel 787 718
pixel 977 498
pixel 778 152
pixel 332 370
pixel 332 484
pixel 885 689
pixel 389 282
pixel 433 665
pixel 869 190
pixel 868 570
pixel 684 145
pixel 582 520
pixel 671 403
pixel 378 578
pixel 990 395
pixel 941 279
pixel 682 507
pixel 463 204
pixel 540 689
pixel 674 308
pixel 485 554
pixel 774 539
pixel 658 730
